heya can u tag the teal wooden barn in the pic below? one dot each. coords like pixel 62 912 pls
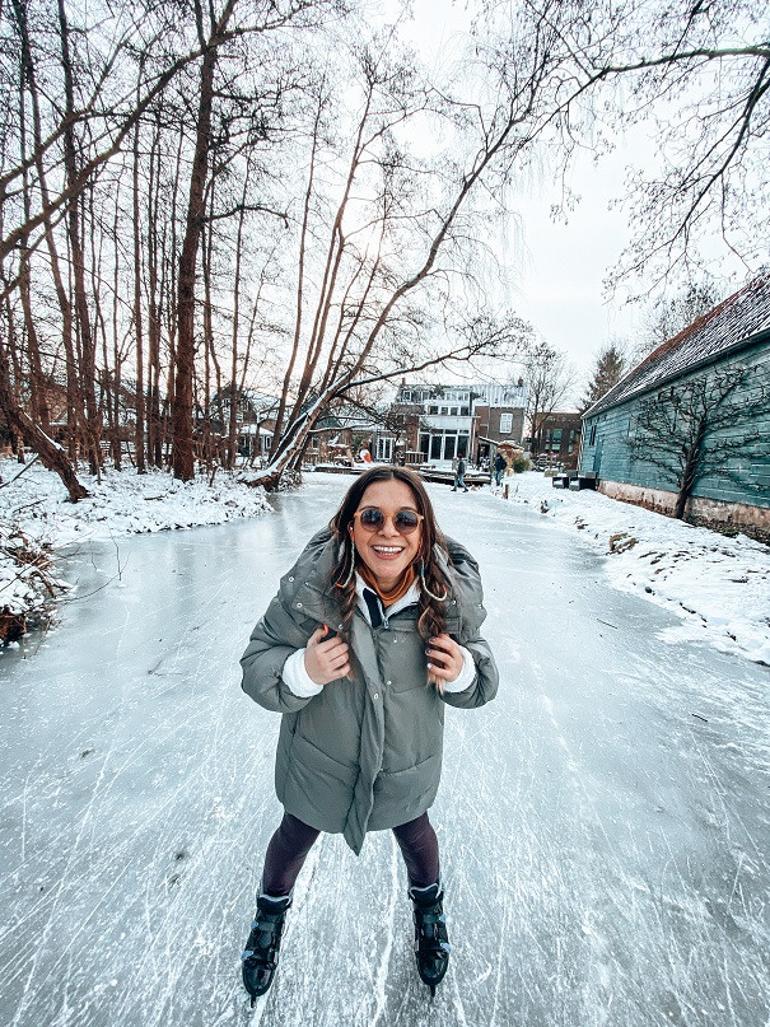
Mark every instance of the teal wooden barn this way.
pixel 687 431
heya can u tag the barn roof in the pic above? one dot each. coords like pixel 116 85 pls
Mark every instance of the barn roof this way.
pixel 732 323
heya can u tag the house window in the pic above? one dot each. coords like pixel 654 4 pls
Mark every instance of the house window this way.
pixel 506 423
pixel 432 409
pixel 592 437
pixel 385 449
pixel 435 446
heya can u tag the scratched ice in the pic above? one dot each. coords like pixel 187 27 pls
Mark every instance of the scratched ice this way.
pixel 603 824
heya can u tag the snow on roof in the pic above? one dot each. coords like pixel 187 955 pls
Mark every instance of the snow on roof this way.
pixel 494 394
pixel 734 321
pixel 254 429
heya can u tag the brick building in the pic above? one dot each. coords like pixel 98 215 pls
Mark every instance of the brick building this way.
pixel 443 422
pixel 558 440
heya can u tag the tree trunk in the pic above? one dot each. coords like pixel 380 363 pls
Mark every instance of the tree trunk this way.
pixel 62 294
pixel 208 343
pixel 232 428
pixel 138 328
pixel 154 327
pixel 88 356
pixel 300 285
pixel 51 453
pixel 115 442
pixel 184 467
pixel 690 472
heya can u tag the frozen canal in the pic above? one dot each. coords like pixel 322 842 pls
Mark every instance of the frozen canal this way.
pixel 604 824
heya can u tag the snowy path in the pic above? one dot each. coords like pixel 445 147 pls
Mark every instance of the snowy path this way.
pixel 604 823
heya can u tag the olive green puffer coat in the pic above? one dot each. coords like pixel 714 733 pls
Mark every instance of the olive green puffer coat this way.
pixel 364 754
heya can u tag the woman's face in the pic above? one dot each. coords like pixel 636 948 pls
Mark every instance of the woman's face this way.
pixel 385 552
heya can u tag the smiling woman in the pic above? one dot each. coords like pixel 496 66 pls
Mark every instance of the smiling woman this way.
pixel 373 632
pixel 387 540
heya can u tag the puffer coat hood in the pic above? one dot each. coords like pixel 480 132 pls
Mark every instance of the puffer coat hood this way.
pixel 364 754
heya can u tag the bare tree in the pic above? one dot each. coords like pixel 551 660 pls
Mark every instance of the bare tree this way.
pixel 549 379
pixel 400 237
pixel 676 309
pixel 377 263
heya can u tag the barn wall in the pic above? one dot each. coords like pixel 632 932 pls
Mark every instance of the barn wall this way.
pixel 609 455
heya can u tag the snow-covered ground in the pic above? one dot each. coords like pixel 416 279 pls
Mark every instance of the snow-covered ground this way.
pixel 35 512
pixel 719 587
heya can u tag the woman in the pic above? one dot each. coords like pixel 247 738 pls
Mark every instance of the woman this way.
pixel 373 632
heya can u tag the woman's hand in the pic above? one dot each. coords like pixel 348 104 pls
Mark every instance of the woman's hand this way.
pixel 326 661
pixel 445 660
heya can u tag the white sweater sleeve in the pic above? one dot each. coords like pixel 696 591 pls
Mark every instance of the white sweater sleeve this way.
pixel 466 676
pixel 296 677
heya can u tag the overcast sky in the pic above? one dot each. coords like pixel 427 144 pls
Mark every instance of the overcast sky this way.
pixel 555 271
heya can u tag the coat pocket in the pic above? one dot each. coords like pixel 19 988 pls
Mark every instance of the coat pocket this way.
pixel 318 789
pixel 402 795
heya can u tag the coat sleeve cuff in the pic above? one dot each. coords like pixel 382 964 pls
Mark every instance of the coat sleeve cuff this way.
pixel 296 677
pixel 466 676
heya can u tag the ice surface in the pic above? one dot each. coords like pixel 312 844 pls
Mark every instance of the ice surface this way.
pixel 33 501
pixel 603 824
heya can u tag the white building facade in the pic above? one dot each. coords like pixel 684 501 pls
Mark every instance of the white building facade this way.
pixel 450 415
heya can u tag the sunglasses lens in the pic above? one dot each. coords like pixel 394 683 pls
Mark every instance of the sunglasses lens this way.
pixel 406 521
pixel 372 518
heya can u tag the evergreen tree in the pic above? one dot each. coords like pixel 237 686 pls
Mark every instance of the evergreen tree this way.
pixel 610 366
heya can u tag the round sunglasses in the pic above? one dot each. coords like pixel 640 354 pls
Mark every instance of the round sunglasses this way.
pixel 372 519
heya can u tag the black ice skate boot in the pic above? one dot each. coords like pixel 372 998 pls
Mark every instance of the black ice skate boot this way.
pixel 259 960
pixel 431 944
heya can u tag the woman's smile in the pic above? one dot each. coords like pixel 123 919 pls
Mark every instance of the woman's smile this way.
pixel 387 552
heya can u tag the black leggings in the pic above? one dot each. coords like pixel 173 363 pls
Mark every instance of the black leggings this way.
pixel 289 846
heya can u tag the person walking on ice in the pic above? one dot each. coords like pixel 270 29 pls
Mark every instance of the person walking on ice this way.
pixel 373 632
pixel 460 475
pixel 500 466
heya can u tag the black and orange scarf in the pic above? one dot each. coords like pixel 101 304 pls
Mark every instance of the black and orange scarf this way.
pixel 388 598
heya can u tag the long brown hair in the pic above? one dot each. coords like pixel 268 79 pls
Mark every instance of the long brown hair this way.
pixel 432 618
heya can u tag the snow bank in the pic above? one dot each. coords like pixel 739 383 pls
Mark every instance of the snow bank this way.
pixel 35 504
pixel 26 582
pixel 719 587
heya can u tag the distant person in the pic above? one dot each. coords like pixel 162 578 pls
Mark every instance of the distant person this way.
pixel 460 475
pixel 500 465
pixel 361 739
